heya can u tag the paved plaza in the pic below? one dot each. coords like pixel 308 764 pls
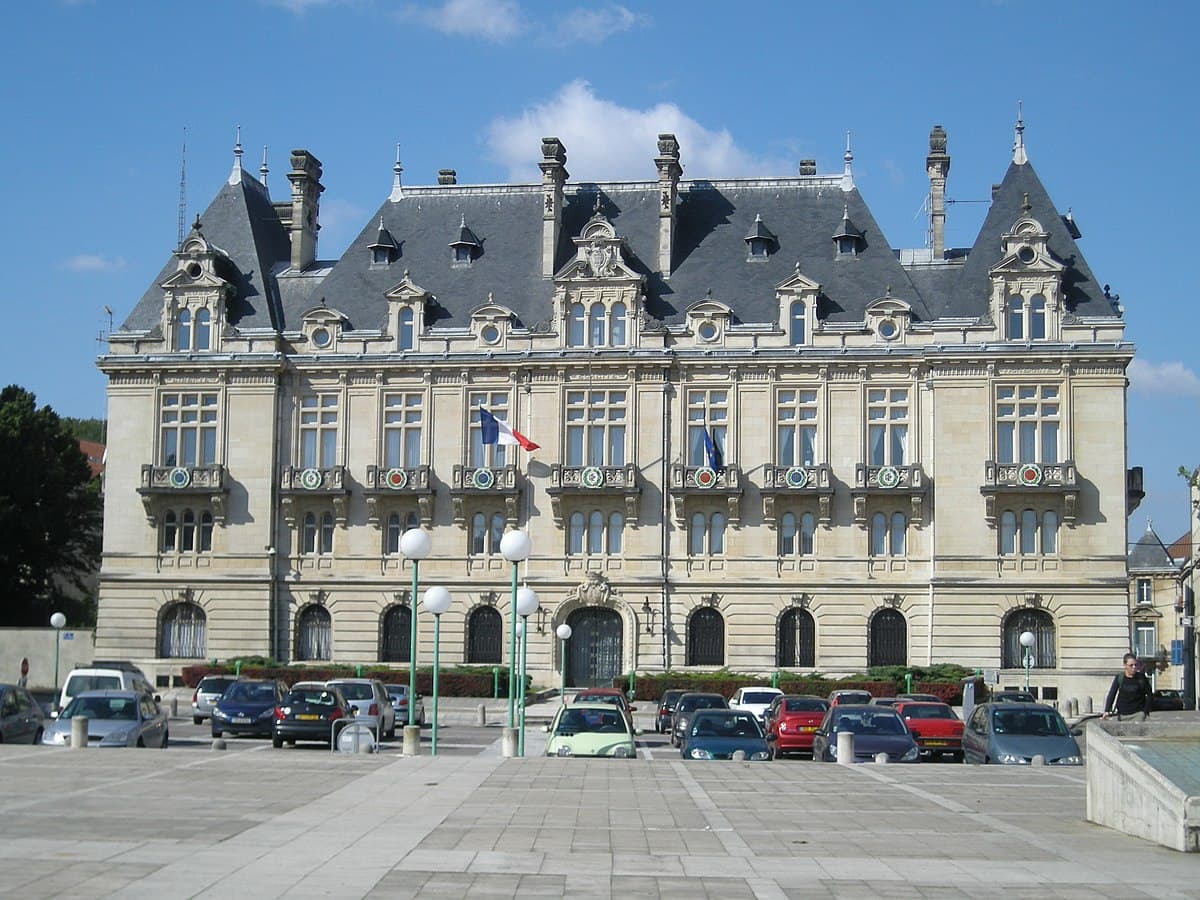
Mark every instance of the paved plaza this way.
pixel 306 823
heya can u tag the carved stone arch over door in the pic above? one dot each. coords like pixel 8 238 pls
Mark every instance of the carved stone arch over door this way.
pixel 615 632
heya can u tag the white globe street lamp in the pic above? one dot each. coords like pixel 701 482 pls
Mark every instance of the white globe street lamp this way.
pixel 526 606
pixel 57 621
pixel 563 633
pixel 436 601
pixel 416 545
pixel 1027 641
pixel 515 547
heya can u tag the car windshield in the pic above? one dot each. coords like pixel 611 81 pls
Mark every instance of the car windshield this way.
pixel 1030 722
pixel 591 721
pixel 600 698
pixel 928 712
pixel 77 684
pixel 854 697
pixel 728 725
pixel 400 692
pixel 870 723
pixel 353 691
pixel 123 708
pixel 758 696
pixel 212 685
pixel 802 704
pixel 701 701
pixel 312 696
pixel 670 698
pixel 250 692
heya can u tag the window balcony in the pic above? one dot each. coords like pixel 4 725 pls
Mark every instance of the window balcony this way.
pixel 887 481
pixel 196 483
pixel 724 483
pixel 796 483
pixel 327 483
pixel 481 483
pixel 1014 480
pixel 581 482
pixel 404 483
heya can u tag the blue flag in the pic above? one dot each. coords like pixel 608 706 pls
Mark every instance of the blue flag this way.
pixel 712 451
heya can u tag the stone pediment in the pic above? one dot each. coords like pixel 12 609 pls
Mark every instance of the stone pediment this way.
pixel 406 290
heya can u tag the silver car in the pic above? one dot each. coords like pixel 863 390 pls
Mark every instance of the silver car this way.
pixel 1013 733
pixel 207 693
pixel 21 719
pixel 115 719
pixel 398 694
pixel 372 705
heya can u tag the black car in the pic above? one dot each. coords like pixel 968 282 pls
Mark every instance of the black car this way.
pixel 248 707
pixel 666 710
pixel 311 714
pixel 688 704
pixel 1165 700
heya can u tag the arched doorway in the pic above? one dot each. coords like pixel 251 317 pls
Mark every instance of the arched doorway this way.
pixel 484 638
pixel 797 646
pixel 396 635
pixel 594 651
pixel 887 641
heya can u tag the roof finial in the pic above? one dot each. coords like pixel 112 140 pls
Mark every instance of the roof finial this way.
pixel 235 176
pixel 1019 155
pixel 381 221
pixel 1026 206
pixel 847 175
pixel 397 191
pixel 263 171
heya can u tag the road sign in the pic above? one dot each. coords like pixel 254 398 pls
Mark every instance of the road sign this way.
pixel 991 676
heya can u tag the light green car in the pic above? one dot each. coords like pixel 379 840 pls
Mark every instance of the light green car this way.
pixel 591 729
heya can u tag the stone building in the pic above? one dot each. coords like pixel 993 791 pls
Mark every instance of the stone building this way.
pixel 1155 604
pixel 768 439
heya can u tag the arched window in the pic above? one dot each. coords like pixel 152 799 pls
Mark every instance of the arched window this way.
pixel 203 331
pixel 575 326
pixel 697 534
pixel 1049 532
pixel 617 328
pixel 889 535
pixel 1016 317
pixel 887 641
pixel 206 532
pixel 183 330
pixel 796 644
pixel 170 532
pixel 706 638
pixel 496 532
pixel 879 534
pixel 896 546
pixel 1008 533
pixel 787 534
pixel 478 533
pixel 395 638
pixel 1041 624
pixel 616 532
pixel 314 634
pixel 1037 317
pixel 327 532
pixel 484 637
pixel 183 632
pixel 596 336
pixel 716 535
pixel 308 537
pixel 1029 541
pixel 595 536
pixel 187 532
pixel 406 329
pixel 392 534
pixel 796 331
pixel 575 533
pixel 808 530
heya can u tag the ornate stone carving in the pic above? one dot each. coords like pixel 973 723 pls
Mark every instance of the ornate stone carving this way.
pixel 594 590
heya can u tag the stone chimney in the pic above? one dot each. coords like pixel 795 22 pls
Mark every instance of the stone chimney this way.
pixel 937 164
pixel 447 176
pixel 669 171
pixel 808 167
pixel 554 176
pixel 306 200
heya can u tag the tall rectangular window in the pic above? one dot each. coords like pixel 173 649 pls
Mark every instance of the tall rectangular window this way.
pixel 188 429
pixel 479 453
pixel 402 430
pixel 796 427
pixel 318 430
pixel 1144 595
pixel 707 412
pixel 1145 640
pixel 596 423
pixel 887 426
pixel 1027 423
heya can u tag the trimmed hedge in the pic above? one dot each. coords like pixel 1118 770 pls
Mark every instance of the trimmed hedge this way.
pixel 457 682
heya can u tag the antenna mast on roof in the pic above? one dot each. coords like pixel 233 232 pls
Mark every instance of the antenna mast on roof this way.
pixel 182 189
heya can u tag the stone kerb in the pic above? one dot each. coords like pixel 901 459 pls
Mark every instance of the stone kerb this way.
pixel 1127 794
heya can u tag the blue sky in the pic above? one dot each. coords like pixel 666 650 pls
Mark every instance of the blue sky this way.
pixel 96 97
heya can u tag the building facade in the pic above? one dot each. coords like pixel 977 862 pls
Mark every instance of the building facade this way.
pixel 767 439
pixel 1155 607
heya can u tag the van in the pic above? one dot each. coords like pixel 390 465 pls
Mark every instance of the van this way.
pixel 103 679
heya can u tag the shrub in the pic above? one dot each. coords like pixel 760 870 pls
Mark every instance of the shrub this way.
pixel 459 681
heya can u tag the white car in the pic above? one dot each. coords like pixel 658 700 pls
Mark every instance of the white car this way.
pixel 754 700
pixel 372 705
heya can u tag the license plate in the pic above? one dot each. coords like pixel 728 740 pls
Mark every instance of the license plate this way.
pixel 241 720
pixel 306 717
pixel 936 743
pixel 808 728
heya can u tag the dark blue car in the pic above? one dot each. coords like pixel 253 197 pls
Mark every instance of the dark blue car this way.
pixel 719 733
pixel 247 707
pixel 877 729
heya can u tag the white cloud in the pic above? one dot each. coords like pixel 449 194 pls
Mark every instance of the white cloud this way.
pixel 493 20
pixel 609 142
pixel 1171 378
pixel 592 26
pixel 94 262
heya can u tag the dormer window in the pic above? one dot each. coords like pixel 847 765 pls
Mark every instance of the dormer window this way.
pixel 797 316
pixel 1026 318
pixel 384 250
pixel 406 329
pixel 596 325
pixel 759 241
pixel 847 239
pixel 466 248
pixel 193 330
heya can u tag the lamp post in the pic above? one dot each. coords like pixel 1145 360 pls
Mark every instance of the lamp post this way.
pixel 437 601
pixel 564 635
pixel 1027 641
pixel 527 604
pixel 57 621
pixel 515 547
pixel 416 545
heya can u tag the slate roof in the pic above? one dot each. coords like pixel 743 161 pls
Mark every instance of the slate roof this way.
pixel 1149 554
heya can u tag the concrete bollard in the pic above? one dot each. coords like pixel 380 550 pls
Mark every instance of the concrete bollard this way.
pixel 738 756
pixel 508 743
pixel 218 744
pixel 79 732
pixel 481 715
pixel 1087 706
pixel 881 759
pixel 1038 760
pixel 845 747
pixel 174 707
pixel 412 740
pixel 1074 707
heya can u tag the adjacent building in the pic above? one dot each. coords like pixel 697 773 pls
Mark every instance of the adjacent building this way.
pixel 768 439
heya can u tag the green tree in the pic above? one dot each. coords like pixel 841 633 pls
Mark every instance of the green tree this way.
pixel 85 429
pixel 49 516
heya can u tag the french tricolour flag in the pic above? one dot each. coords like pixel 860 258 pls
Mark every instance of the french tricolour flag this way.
pixel 497 432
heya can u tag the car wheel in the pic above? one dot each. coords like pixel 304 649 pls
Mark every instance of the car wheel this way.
pixel 141 743
pixel 421 724
pixel 197 720
pixel 166 740
pixel 216 734
pixel 37 736
pixel 291 742
pixel 276 742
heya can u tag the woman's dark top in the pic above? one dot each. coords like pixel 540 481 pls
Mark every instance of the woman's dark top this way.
pixel 1131 693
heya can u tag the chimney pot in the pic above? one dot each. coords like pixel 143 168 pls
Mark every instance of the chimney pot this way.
pixel 808 167
pixel 447 176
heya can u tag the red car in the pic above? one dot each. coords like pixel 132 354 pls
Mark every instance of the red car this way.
pixel 793 719
pixel 937 731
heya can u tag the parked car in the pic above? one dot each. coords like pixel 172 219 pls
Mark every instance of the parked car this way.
pixel 934 726
pixel 686 707
pixel 794 719
pixel 1013 733
pixel 666 710
pixel 248 707
pixel 920 698
pixel 206 695
pixel 876 729
pixel 95 678
pixel 1166 699
pixel 591 729
pixel 314 713
pixel 115 719
pixel 885 701
pixel 21 718
pixel 1013 697
pixel 398 695
pixel 837 698
pixel 754 700
pixel 371 702
pixel 613 696
pixel 719 733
